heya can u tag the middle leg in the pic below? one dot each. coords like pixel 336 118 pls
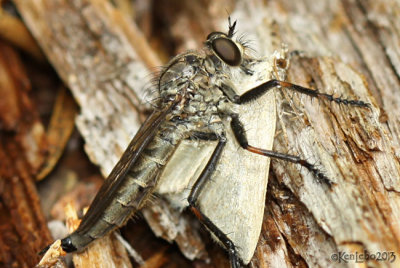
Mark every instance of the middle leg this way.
pixel 240 135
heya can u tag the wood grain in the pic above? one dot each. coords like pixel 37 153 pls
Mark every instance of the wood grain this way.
pixel 22 151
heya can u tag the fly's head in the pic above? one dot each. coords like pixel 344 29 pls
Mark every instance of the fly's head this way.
pixel 228 51
pixel 203 79
pixel 228 60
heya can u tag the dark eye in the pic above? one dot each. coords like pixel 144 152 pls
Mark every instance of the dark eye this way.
pixel 227 51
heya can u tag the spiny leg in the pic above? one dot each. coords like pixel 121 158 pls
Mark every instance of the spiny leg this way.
pixel 240 135
pixel 194 194
pixel 260 90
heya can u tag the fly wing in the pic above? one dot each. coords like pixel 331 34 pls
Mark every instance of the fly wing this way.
pixel 117 176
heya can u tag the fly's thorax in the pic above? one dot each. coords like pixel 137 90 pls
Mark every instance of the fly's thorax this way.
pixel 187 76
pixel 205 107
pixel 179 74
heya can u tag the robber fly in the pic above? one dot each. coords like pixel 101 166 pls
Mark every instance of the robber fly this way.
pixel 197 101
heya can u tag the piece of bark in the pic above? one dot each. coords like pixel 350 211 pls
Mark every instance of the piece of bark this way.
pixel 59 130
pixel 357 148
pixel 22 151
pixel 15 32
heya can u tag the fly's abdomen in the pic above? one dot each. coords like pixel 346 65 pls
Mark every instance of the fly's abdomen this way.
pixel 127 198
pixel 140 183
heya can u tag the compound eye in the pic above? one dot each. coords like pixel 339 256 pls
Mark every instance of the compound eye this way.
pixel 227 51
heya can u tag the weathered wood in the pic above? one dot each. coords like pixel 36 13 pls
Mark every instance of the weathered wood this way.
pixel 61 125
pixel 349 48
pixel 15 32
pixel 22 151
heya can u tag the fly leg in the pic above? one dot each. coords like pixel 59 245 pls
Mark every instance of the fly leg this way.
pixel 260 90
pixel 196 190
pixel 240 135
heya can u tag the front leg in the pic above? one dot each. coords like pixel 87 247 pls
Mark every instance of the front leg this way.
pixel 240 135
pixel 260 90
